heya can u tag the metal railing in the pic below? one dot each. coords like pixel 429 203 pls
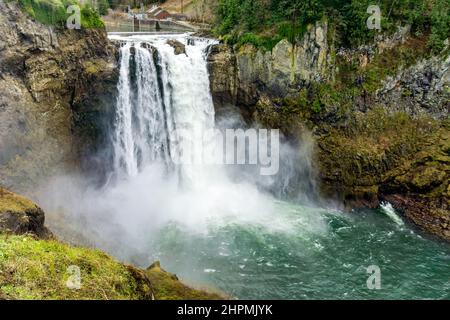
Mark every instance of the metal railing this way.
pixel 149 25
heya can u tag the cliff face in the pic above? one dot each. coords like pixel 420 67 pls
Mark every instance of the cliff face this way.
pixel 420 89
pixel 56 89
pixel 242 76
pixel 378 113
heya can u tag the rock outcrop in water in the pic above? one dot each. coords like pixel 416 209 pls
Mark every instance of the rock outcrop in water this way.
pixel 177 46
pixel 378 113
pixel 57 90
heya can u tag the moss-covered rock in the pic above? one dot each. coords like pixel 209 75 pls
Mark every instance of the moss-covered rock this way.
pixel 40 269
pixel 19 215
pixel 45 269
pixel 391 157
pixel 168 287
pixel 35 266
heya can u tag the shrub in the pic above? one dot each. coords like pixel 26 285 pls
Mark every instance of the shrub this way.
pixel 440 25
pixel 54 12
pixel 291 17
pixel 262 42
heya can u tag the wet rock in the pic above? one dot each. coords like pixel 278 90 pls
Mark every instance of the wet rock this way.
pixel 178 47
pixel 431 214
pixel 223 74
pixel 167 286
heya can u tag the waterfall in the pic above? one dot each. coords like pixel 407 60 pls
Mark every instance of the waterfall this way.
pixel 124 155
pixel 161 93
pixel 225 229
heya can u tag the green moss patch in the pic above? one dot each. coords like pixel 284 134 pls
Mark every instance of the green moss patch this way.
pixel 45 269
pixel 10 202
pixel 167 287
pixel 393 152
pixel 38 269
pixel 54 12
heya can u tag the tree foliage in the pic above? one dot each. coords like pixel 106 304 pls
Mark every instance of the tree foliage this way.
pixel 54 12
pixel 289 18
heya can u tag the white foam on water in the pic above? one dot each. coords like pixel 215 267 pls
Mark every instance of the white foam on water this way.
pixel 389 211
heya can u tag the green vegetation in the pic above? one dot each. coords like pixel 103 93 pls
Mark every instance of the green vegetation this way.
pixel 103 6
pixel 440 24
pixel 166 286
pixel 258 21
pixel 38 269
pixel 355 81
pixel 54 12
pixel 379 147
pixel 10 202
pixel 34 268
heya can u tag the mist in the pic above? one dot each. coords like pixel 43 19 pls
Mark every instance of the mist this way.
pixel 145 192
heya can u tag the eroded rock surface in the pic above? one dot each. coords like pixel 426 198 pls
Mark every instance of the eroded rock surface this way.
pixel 57 90
pixel 178 47
pixel 244 74
pixel 378 113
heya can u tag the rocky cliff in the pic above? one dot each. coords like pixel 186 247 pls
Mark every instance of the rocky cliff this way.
pixel 57 89
pixel 378 113
pixel 240 76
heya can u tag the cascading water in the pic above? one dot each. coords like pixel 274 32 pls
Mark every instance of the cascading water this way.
pixel 223 231
pixel 141 123
pixel 124 154
pixel 161 95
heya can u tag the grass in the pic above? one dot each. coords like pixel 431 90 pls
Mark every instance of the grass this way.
pixel 32 268
pixel 168 287
pixel 268 39
pixel 264 42
pixel 39 269
pixel 54 12
pixel 10 202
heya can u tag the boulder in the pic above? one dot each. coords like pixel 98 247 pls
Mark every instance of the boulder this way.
pixel 19 215
pixel 177 46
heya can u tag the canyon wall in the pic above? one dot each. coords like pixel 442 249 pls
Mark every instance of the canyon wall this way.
pixel 378 113
pixel 57 92
pixel 243 76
